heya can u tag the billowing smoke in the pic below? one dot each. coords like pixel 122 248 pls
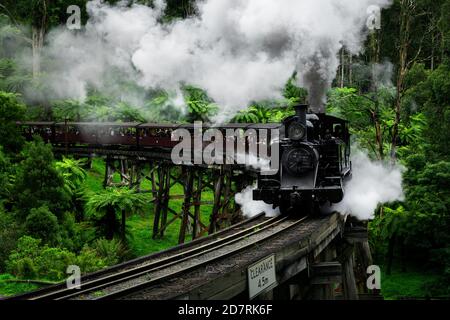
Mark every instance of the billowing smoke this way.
pixel 250 207
pixel 382 74
pixel 239 51
pixel 373 183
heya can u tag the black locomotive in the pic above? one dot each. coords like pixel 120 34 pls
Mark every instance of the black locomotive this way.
pixel 315 162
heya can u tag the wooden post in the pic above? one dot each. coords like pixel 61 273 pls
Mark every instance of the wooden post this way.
pixel 197 200
pixel 165 201
pixel 348 279
pixel 186 203
pixel 153 167
pixel 216 205
pixel 226 197
pixel 107 169
pixel 158 200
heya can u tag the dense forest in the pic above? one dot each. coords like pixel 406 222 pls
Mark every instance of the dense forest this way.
pixel 55 211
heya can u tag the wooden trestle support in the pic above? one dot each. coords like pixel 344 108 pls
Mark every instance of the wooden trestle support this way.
pixel 223 182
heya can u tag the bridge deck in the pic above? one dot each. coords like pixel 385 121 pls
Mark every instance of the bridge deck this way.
pixel 294 251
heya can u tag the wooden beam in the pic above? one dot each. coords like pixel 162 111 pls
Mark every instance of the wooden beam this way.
pixel 356 234
pixel 326 273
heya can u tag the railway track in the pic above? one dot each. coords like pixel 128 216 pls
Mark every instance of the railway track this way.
pixel 172 270
pixel 141 261
pixel 239 243
pixel 142 267
pixel 168 265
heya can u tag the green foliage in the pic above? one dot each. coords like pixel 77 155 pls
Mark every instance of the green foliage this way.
pixel 162 108
pixel 9 287
pixel 390 222
pixel 9 233
pixel 12 79
pixel 127 113
pixel 6 178
pixel 437 109
pixel 32 260
pixel 11 110
pixel 200 106
pixel 118 198
pixel 249 115
pixel 112 251
pixel 428 203
pixel 293 93
pixel 89 261
pixel 21 260
pixel 70 109
pixel 73 173
pixel 104 207
pixel 365 112
pixel 42 224
pixel 38 182
pixel 412 284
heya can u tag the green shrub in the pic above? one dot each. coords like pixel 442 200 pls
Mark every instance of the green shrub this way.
pixel 25 268
pixel 31 260
pixel 11 110
pixel 9 233
pixel 89 261
pixel 112 251
pixel 43 224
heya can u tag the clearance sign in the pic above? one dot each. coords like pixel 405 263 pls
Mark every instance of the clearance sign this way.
pixel 261 276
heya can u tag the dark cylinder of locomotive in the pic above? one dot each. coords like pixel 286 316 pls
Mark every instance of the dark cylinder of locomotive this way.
pixel 300 111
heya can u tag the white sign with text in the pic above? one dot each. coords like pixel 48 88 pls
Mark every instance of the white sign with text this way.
pixel 261 276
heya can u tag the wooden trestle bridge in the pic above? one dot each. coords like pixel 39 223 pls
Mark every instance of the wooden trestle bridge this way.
pixel 292 258
pixel 135 167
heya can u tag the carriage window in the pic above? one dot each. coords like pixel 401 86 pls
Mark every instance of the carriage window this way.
pixel 337 130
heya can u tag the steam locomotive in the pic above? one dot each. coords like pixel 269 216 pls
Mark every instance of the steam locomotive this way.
pixel 315 163
pixel 314 152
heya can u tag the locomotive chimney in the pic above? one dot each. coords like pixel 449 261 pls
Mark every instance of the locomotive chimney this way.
pixel 300 111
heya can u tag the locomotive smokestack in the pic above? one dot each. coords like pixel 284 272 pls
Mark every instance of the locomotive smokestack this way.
pixel 300 111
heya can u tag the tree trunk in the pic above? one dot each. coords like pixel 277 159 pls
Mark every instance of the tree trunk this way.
pixel 342 68
pixel 123 225
pixel 37 43
pixel 407 7
pixel 110 223
pixel 378 134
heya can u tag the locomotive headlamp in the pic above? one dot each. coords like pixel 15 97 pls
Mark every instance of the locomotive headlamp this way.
pixel 296 131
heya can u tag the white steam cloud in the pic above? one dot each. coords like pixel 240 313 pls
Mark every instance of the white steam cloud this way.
pixel 373 183
pixel 239 51
pixel 250 207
